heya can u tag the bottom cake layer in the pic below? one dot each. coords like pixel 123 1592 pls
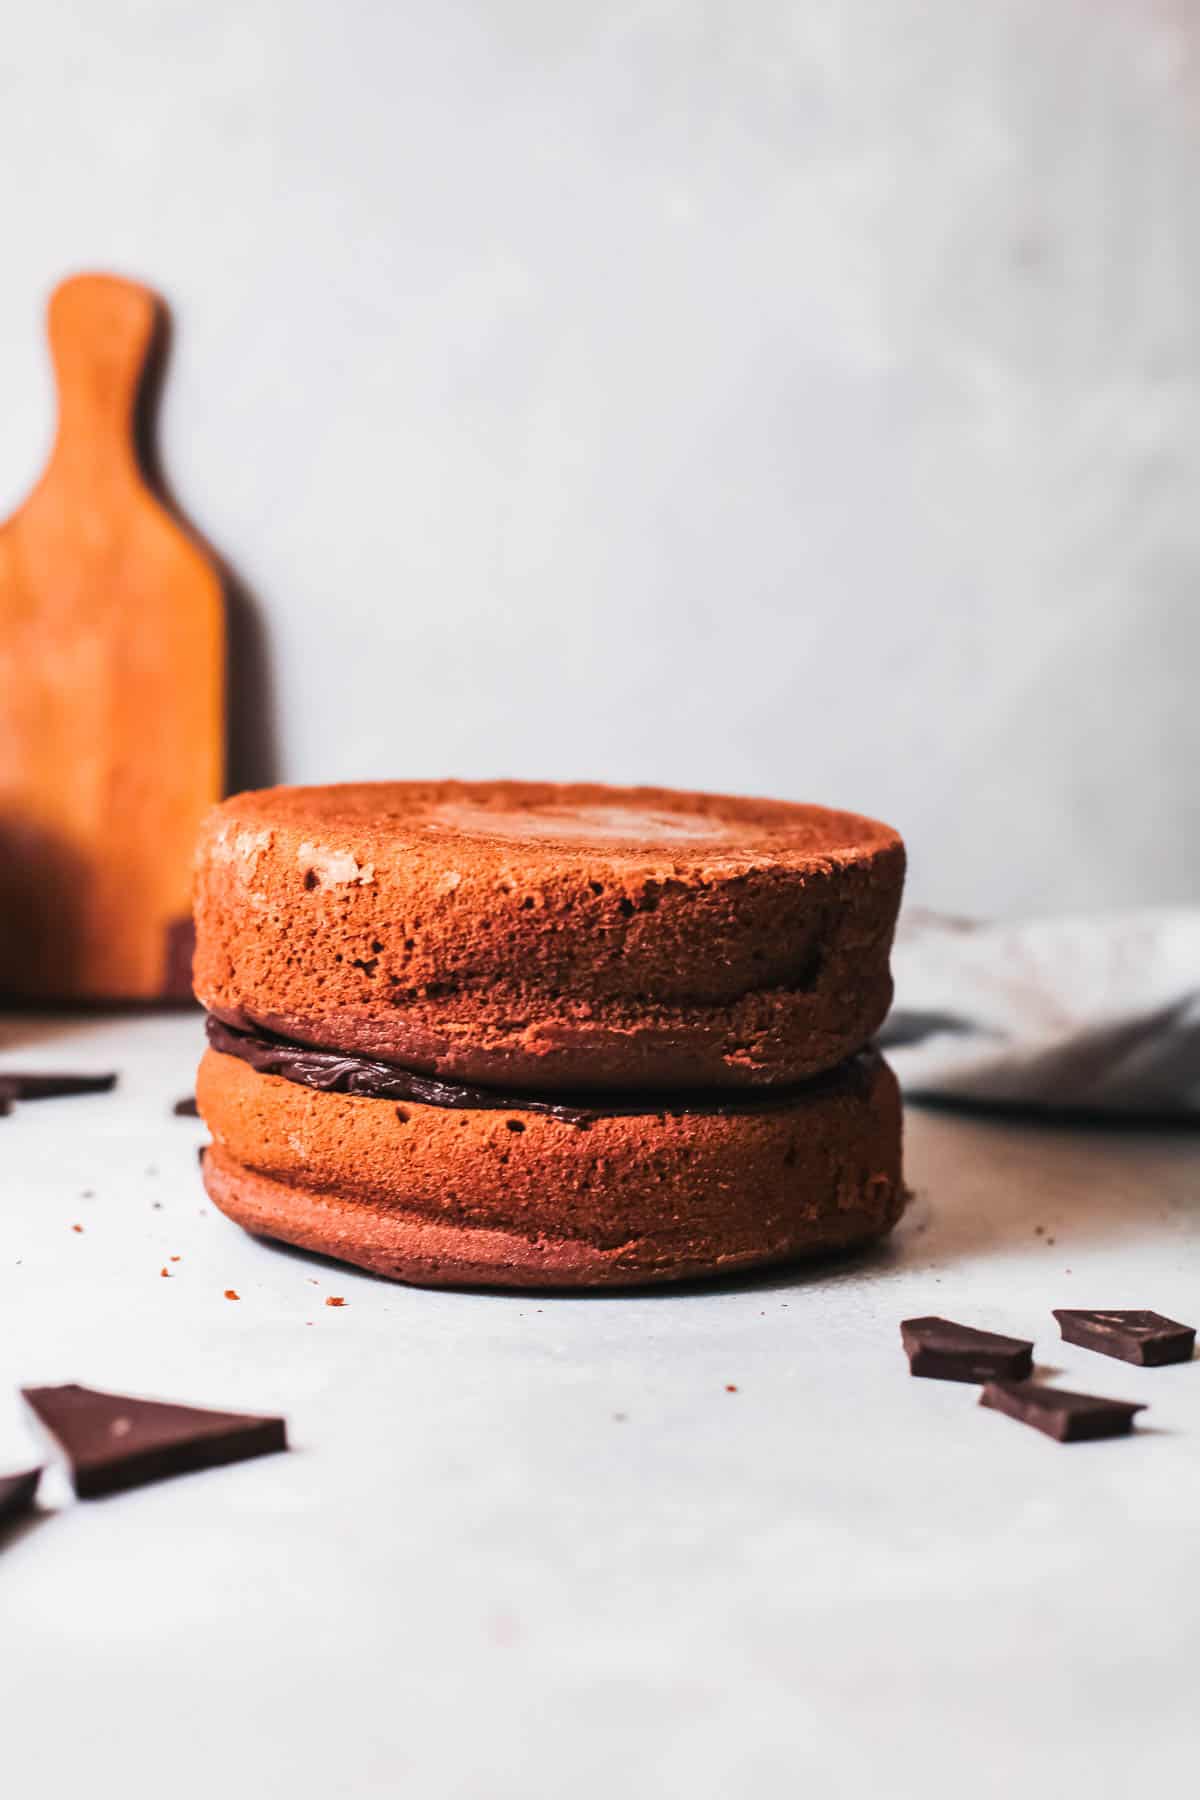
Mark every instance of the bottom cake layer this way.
pixel 512 1198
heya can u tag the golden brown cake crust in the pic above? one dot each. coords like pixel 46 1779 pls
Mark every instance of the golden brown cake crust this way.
pixel 550 937
pixel 521 1199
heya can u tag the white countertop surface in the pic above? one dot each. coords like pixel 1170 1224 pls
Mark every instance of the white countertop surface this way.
pixel 530 1546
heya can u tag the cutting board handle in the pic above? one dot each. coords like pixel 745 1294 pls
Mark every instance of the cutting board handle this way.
pixel 102 333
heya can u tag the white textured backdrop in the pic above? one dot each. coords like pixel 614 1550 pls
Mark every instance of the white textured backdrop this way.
pixel 795 399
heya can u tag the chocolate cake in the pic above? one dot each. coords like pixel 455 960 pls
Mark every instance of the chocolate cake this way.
pixel 523 1034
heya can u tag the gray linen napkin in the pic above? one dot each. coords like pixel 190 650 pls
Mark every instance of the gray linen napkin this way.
pixel 1097 1014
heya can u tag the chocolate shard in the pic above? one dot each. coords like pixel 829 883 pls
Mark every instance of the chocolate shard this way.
pixel 113 1441
pixel 17 1494
pixel 948 1352
pixel 186 1108
pixel 1136 1337
pixel 1070 1418
pixel 23 1085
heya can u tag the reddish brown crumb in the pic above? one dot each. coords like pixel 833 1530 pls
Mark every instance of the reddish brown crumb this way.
pixel 174 1259
pixel 77 1228
pixel 232 1294
pixel 165 1272
pixel 731 1387
pixel 334 1300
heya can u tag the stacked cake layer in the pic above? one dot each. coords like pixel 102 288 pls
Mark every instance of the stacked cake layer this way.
pixel 528 1034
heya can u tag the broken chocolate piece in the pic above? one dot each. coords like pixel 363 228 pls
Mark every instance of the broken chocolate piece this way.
pixel 25 1086
pixel 113 1442
pixel 950 1352
pixel 1071 1418
pixel 17 1494
pixel 1136 1337
pixel 186 1108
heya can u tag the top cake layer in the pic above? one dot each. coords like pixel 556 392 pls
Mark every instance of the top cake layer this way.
pixel 557 937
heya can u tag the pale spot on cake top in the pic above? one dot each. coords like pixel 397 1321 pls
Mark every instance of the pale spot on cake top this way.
pixel 590 824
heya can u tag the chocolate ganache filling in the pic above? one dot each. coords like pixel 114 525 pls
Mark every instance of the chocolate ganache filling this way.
pixel 333 1072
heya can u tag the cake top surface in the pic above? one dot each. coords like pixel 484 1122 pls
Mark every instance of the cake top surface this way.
pixel 544 821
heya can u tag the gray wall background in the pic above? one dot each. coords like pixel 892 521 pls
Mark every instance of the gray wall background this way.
pixel 797 399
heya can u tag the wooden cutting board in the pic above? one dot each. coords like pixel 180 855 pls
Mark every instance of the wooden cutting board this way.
pixel 112 649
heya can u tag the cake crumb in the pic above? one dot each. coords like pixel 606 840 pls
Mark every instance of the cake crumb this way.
pixel 232 1294
pixel 334 1300
pixel 731 1387
pixel 165 1272
pixel 78 1228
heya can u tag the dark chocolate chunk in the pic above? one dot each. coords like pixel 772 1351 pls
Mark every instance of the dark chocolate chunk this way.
pixel 17 1494
pixel 332 1072
pixel 186 1108
pixel 949 1352
pixel 1136 1337
pixel 1071 1418
pixel 112 1441
pixel 20 1085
